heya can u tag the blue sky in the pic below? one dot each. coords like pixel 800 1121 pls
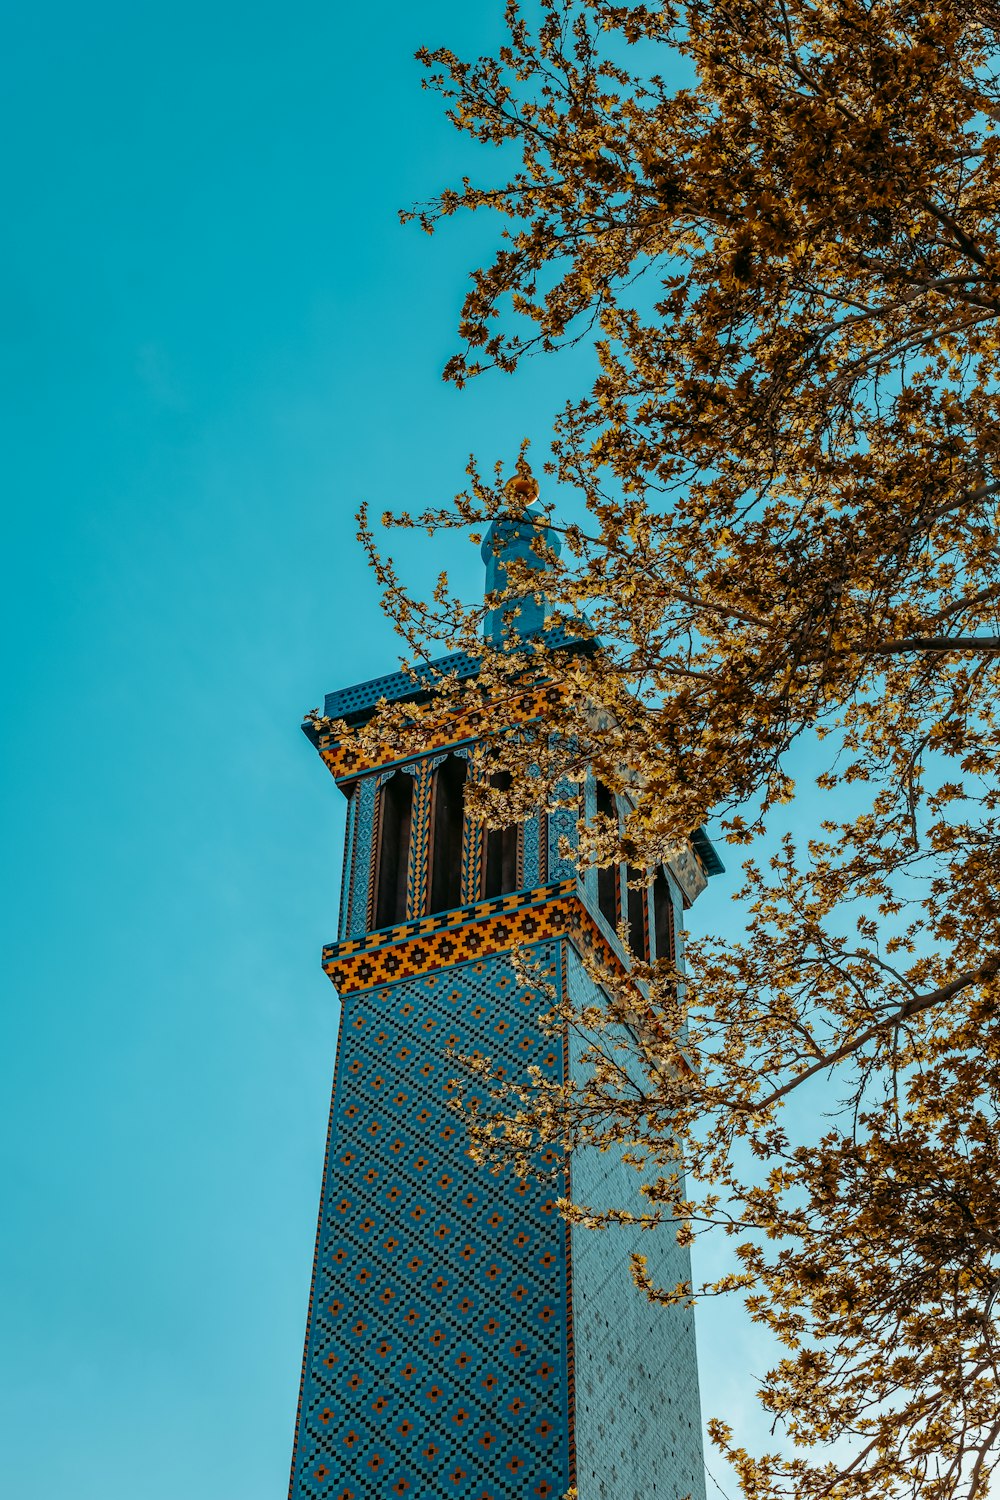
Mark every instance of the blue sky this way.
pixel 216 340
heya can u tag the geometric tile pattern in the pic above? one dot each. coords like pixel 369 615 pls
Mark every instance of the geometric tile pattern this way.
pixel 532 864
pixel 343 929
pixel 472 860
pixel 497 926
pixel 438 1358
pixel 455 937
pixel 637 1410
pixel 357 876
pixel 420 832
pixel 362 838
pixel 561 824
pixel 472 837
pixel 345 758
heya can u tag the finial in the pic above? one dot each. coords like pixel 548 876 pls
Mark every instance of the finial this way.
pixel 522 489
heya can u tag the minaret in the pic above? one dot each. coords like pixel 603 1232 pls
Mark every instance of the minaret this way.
pixel 463 1343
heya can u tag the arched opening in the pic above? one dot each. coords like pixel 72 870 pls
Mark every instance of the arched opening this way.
pixel 607 877
pixel 638 932
pixel 663 918
pixel 500 850
pixel 447 813
pixel 394 824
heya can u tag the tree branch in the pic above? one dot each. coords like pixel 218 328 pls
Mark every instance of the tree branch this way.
pixel 913 1007
pixel 987 644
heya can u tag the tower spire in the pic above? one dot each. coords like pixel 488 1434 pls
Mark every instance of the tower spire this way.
pixel 462 1341
pixel 515 534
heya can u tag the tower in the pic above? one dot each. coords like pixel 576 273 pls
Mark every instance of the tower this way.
pixel 464 1343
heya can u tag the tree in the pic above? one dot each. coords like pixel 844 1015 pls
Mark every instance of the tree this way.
pixel 789 268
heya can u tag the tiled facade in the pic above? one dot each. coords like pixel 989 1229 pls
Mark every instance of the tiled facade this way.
pixel 637 1418
pixel 437 1356
pixel 461 1342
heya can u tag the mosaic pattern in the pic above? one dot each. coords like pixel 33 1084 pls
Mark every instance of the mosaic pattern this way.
pixel 590 799
pixel 561 822
pixel 431 944
pixel 537 850
pixel 345 759
pixel 532 852
pixel 359 875
pixel 438 1351
pixel 689 873
pixel 350 826
pixel 457 936
pixel 363 834
pixel 420 833
pixel 472 860
pixel 624 1346
pixel 637 1411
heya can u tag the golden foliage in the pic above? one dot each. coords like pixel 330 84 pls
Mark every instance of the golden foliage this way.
pixel 789 267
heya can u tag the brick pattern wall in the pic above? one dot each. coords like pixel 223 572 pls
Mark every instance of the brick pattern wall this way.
pixel 638 1413
pixel 437 1350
